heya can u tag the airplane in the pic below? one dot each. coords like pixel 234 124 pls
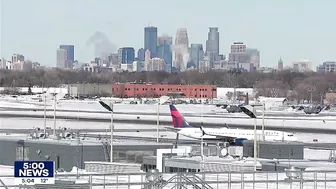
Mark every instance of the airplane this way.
pixel 233 136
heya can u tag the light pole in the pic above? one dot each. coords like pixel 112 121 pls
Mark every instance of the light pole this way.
pixel 249 110
pixel 263 123
pixel 109 108
pixel 45 115
pixel 54 114
pixel 158 122
pixel 1 33
pixel 45 110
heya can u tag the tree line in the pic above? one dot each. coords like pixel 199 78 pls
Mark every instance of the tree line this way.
pixel 301 86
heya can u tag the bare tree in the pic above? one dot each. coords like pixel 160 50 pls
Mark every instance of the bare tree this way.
pixel 302 91
pixel 229 95
pixel 331 98
pixel 271 88
pixel 279 84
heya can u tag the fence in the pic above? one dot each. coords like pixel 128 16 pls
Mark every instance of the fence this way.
pixel 231 180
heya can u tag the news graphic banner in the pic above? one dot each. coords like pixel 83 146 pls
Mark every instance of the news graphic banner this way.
pixel 34 172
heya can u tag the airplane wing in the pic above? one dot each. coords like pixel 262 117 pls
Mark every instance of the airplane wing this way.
pixel 173 129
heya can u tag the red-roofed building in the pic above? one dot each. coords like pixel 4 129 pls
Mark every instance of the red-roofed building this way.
pixel 157 90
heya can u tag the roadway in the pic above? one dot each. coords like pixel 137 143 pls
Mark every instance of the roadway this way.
pixel 25 131
pixel 169 123
pixel 86 133
pixel 274 115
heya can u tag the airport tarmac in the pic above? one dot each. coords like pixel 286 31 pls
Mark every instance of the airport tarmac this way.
pixel 289 125
pixel 217 113
pixel 135 131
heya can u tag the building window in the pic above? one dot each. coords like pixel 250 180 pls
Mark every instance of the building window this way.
pixel 22 153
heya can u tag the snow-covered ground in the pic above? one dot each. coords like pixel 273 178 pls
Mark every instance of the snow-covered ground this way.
pixel 93 105
pixel 300 123
pixel 29 123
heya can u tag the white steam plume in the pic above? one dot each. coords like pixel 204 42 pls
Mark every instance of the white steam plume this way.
pixel 102 45
pixel 182 52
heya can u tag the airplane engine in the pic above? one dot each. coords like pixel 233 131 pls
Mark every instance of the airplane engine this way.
pixel 238 141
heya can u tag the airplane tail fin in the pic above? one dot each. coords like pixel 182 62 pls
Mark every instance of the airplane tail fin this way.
pixel 177 117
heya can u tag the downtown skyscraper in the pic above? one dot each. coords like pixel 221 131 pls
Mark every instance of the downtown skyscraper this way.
pixel 212 44
pixel 196 54
pixel 151 40
pixel 66 56
pixel 70 49
pixel 164 51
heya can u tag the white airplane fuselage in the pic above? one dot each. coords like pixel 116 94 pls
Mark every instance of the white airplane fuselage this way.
pixel 211 133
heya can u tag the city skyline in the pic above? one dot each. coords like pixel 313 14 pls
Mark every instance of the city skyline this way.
pixel 291 30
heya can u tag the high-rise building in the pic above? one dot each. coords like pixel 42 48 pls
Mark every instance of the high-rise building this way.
pixel 196 54
pixel 212 44
pixel 147 59
pixel 126 55
pixel 240 57
pixel 137 66
pixel 113 59
pixel 3 65
pixel 254 57
pixel 156 64
pixel 238 47
pixel 70 52
pixel 165 39
pixel 329 66
pixel 181 50
pixel 141 54
pixel 17 58
pixel 303 65
pixel 61 58
pixel 239 53
pixel 151 40
pixel 164 52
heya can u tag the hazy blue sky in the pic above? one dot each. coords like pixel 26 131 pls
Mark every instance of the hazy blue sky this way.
pixel 292 29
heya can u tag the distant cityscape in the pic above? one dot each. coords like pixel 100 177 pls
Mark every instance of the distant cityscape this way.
pixel 160 54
